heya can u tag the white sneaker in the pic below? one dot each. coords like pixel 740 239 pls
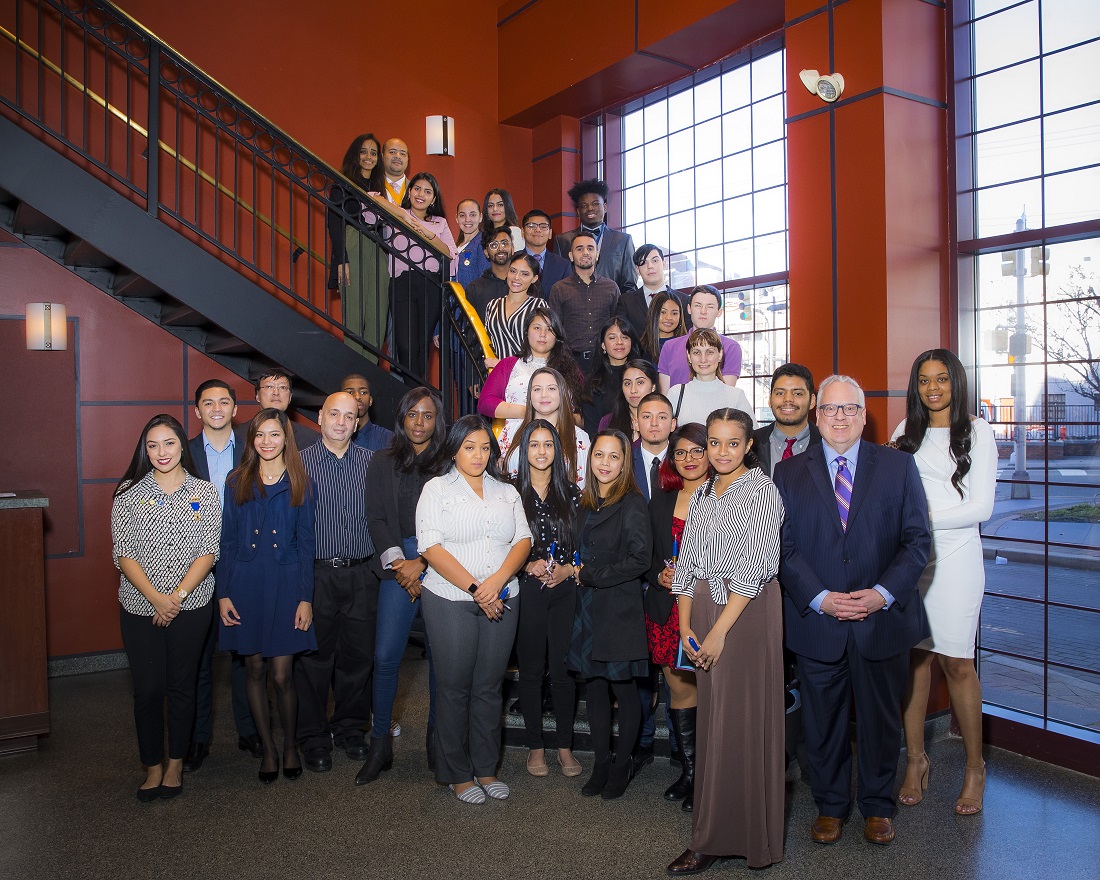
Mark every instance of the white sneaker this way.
pixel 395 727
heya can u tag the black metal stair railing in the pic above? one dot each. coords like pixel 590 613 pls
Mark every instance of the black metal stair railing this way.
pixel 87 79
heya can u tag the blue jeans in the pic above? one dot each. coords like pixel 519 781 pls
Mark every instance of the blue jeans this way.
pixel 395 617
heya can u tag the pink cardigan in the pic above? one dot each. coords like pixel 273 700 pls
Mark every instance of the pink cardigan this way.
pixel 492 395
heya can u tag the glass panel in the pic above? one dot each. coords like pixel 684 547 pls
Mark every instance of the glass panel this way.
pixel 1066 22
pixel 1007 96
pixel 1004 39
pixel 1072 139
pixel 708 141
pixel 681 150
pixel 1070 78
pixel 767 76
pixel 738 218
pixel 770 211
pixel 656 232
pixel 633 167
pixel 656 198
pixel 1008 625
pixel 681 112
pixel 1014 684
pixel 768 168
pixel 1001 206
pixel 656 120
pixel 737 131
pixel 771 254
pixel 738 257
pixel 1009 153
pixel 1072 696
pixel 708 99
pixel 632 130
pixel 656 159
pixel 633 202
pixel 735 88
pixel 984 7
pixel 681 191
pixel 737 174
pixel 998 289
pixel 708 183
pixel 1072 197
pixel 682 227
pixel 708 266
pixel 708 225
pixel 1073 586
pixel 767 120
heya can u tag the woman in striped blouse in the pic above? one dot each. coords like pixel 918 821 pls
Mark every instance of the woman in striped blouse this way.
pixel 506 317
pixel 731 625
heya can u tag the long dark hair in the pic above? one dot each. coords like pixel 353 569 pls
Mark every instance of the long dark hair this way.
pixel 623 485
pixel 651 339
pixel 405 459
pixel 349 166
pixel 620 409
pixel 510 216
pixel 536 286
pixel 140 465
pixel 462 429
pixel 560 357
pixel 604 372
pixel 668 478
pixel 245 478
pixel 561 496
pixel 917 418
pixel 729 414
pixel 435 209
pixel 566 429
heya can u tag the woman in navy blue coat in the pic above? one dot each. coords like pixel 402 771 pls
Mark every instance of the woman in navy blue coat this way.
pixel 265 577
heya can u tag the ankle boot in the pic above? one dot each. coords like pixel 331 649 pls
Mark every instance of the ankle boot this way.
pixel 618 779
pixel 684 787
pixel 379 758
pixel 598 779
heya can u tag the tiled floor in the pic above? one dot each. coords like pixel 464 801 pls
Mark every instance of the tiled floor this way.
pixel 69 811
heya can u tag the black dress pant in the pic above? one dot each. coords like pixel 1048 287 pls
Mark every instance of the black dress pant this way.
pixel 543 641
pixel 345 614
pixel 164 661
pixel 417 307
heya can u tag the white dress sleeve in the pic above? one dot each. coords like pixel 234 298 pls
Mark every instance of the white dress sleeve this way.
pixel 979 485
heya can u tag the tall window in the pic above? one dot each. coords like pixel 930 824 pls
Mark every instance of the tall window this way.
pixel 704 176
pixel 1028 122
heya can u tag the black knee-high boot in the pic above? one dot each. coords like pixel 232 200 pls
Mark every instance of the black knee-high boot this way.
pixel 684 787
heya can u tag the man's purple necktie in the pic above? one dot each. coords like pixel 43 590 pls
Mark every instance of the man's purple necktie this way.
pixel 842 488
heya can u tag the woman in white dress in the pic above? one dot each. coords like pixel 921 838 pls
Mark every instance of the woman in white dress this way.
pixel 957 458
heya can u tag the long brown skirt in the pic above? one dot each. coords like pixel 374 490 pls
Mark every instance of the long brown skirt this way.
pixel 739 776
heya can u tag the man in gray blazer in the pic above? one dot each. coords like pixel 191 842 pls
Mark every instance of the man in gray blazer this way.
pixel 616 248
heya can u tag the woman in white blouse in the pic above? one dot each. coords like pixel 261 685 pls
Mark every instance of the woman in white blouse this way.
pixel 165 525
pixel 472 530
pixel 731 626
pixel 706 391
pixel 956 455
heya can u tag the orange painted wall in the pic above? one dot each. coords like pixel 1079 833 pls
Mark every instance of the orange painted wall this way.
pixel 325 72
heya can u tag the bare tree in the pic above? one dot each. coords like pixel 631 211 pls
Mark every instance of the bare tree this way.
pixel 1073 332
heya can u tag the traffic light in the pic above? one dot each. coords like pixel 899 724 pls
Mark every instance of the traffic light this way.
pixel 1040 261
pixel 1008 263
pixel 742 305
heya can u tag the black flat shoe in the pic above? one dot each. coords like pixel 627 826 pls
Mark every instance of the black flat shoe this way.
pixel 269 776
pixel 292 772
pixel 251 744
pixel 167 792
pixel 148 795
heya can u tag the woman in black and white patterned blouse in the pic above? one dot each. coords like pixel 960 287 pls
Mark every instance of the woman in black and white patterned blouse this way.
pixel 165 526
pixel 506 318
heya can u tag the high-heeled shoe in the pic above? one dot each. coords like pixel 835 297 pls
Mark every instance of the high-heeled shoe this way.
pixel 269 776
pixel 967 804
pixel 910 797
pixel 292 772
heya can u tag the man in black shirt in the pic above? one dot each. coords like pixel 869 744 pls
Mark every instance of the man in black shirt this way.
pixel 493 282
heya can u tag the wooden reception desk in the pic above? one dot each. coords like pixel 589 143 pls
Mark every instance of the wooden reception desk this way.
pixel 24 702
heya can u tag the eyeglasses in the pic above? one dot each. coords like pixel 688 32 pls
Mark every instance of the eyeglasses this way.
pixel 541 227
pixel 831 409
pixel 271 388
pixel 497 245
pixel 695 453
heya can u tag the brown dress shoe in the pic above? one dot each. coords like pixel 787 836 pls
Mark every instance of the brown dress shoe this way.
pixel 690 862
pixel 879 829
pixel 826 829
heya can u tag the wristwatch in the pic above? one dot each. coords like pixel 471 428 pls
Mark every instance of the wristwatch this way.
pixel 182 593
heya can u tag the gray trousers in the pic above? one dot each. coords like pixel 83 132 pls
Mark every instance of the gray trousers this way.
pixel 471 656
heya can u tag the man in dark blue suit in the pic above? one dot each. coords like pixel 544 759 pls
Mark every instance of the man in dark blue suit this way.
pixel 855 541
pixel 215 451
pixel 536 235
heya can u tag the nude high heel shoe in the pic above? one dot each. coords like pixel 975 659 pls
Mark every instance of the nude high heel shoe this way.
pixel 973 791
pixel 910 797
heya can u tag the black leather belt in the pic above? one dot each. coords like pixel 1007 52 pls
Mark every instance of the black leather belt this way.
pixel 585 355
pixel 339 562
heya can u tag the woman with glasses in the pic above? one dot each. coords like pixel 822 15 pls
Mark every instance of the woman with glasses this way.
pixel 684 470
pixel 956 456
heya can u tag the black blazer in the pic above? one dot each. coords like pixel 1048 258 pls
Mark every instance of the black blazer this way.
pixel 382 484
pixel 632 307
pixel 887 543
pixel 659 601
pixel 616 558
pixel 198 451
pixel 762 445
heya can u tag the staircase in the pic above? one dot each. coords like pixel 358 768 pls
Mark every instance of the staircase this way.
pixel 130 167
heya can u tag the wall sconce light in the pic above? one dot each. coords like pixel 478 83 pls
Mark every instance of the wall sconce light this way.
pixel 46 330
pixel 440 133
pixel 828 87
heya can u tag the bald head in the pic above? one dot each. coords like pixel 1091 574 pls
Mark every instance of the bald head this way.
pixel 338 417
pixel 395 158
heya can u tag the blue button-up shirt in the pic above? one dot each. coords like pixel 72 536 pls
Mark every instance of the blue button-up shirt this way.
pixel 219 462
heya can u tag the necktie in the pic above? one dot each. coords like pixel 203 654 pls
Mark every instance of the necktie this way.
pixel 653 467
pixel 842 488
pixel 788 450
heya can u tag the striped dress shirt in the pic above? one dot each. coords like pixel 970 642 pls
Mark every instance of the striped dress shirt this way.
pixel 340 494
pixel 731 542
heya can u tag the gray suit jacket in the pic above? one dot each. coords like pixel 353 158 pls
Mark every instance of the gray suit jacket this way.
pixel 616 256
